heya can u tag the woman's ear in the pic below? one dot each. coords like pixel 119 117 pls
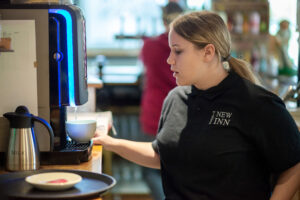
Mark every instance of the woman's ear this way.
pixel 209 52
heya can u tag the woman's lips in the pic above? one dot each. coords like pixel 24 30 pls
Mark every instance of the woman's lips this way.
pixel 175 74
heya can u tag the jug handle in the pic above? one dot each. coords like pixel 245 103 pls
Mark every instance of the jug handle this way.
pixel 47 125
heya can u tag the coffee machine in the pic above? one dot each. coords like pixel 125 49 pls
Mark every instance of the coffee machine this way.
pixel 43 66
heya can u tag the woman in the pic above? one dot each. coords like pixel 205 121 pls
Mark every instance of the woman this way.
pixel 221 136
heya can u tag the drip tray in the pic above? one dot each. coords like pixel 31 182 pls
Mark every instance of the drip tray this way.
pixel 73 153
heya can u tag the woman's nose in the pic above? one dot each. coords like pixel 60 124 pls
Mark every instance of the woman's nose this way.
pixel 170 60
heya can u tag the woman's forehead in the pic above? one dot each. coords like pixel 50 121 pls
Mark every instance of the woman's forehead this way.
pixel 175 40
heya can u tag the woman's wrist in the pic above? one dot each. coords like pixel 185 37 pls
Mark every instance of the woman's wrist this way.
pixel 111 143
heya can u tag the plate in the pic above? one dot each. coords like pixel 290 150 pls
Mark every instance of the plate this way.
pixel 53 180
pixel 14 186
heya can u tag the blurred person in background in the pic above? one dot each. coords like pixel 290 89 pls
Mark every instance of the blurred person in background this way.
pixel 158 81
pixel 284 34
pixel 278 50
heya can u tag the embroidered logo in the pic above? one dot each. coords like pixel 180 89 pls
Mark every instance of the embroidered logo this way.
pixel 220 118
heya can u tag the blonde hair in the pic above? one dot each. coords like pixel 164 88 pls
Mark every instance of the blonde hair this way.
pixel 204 27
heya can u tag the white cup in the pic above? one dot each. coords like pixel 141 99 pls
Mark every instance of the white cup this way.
pixel 82 131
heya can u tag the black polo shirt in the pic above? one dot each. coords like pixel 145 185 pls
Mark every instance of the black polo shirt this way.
pixel 224 143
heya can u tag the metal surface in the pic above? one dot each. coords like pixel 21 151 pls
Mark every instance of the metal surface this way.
pixel 292 93
pixel 289 93
pixel 22 151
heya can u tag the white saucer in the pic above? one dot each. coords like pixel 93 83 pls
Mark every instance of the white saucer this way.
pixel 53 180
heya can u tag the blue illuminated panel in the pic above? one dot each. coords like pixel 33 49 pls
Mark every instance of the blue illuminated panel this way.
pixel 58 63
pixel 69 36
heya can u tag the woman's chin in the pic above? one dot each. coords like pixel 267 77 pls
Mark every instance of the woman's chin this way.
pixel 180 83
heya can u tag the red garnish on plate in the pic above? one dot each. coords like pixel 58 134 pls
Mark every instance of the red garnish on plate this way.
pixel 61 180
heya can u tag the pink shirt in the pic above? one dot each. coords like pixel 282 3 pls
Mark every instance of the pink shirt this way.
pixel 159 81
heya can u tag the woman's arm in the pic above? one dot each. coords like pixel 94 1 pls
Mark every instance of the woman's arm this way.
pixel 141 153
pixel 287 184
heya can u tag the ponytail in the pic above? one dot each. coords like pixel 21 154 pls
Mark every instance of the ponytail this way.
pixel 243 69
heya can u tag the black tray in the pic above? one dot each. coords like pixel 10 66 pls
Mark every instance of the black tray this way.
pixel 14 186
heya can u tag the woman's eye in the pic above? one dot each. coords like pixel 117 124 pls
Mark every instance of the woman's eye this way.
pixel 178 52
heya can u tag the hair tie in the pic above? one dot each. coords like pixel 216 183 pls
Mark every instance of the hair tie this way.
pixel 225 63
pixel 226 58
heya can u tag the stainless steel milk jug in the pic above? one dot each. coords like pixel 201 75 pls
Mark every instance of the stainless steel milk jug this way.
pixel 23 150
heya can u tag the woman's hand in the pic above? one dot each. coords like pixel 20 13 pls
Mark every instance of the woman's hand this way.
pixel 103 139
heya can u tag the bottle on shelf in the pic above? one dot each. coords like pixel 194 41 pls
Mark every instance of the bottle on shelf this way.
pixel 230 22
pixel 245 24
pixel 254 22
pixel 263 25
pixel 238 23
